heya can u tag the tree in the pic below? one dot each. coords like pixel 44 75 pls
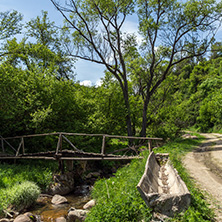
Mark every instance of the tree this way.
pixel 172 31
pixel 45 50
pixel 216 50
pixel 10 25
pixel 49 45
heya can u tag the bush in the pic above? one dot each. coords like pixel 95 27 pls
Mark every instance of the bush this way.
pixel 20 196
pixel 24 194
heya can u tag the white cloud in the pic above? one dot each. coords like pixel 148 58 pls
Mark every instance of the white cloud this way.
pixel 132 28
pixel 86 83
pixel 99 82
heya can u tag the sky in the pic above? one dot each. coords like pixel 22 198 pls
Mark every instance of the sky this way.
pixel 87 73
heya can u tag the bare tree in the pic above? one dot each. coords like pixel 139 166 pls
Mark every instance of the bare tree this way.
pixel 173 31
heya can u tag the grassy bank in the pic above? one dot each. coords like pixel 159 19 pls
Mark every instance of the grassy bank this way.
pixel 118 199
pixel 20 184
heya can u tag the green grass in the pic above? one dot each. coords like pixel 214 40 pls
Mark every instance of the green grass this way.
pixel 20 184
pixel 12 173
pixel 118 199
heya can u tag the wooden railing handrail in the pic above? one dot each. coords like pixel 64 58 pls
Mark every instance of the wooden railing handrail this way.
pixel 61 135
pixel 83 134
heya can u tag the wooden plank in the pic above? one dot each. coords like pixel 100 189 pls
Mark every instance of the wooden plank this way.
pixel 85 134
pixel 150 145
pixel 73 158
pixel 103 145
pixel 32 135
pixel 23 146
pixel 112 136
pixel 9 144
pixel 102 158
pixel 59 144
pixel 71 144
pixel 27 157
pixel 20 144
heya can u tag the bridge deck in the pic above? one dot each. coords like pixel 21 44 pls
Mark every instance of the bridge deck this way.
pixel 69 155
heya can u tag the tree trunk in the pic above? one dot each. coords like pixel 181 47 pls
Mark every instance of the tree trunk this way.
pixel 128 116
pixel 127 105
pixel 144 122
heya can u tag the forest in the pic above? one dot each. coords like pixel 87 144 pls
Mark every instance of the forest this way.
pixel 170 82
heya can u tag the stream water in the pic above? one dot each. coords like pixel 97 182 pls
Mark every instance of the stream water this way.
pixel 47 212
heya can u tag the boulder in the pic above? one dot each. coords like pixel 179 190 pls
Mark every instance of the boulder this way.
pixel 4 220
pixel 63 184
pixel 89 205
pixel 58 199
pixel 30 215
pixel 43 199
pixel 22 218
pixel 92 175
pixel 60 219
pixel 76 215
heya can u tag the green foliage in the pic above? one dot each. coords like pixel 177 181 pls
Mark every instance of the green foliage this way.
pixel 19 196
pixel 12 174
pixel 109 111
pixel 10 24
pixel 118 199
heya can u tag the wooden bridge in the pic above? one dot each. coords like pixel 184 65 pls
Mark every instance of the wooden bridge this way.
pixel 9 151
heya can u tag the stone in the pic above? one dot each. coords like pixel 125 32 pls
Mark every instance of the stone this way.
pixel 63 184
pixel 188 136
pixel 22 218
pixel 58 199
pixel 30 215
pixel 89 205
pixel 60 219
pixel 93 174
pixel 76 214
pixel 43 199
pixel 4 220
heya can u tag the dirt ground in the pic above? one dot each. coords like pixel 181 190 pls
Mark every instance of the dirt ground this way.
pixel 205 166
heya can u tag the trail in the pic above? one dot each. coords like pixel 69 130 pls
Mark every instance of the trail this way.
pixel 205 166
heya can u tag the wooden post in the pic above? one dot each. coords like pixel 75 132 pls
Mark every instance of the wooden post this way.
pixel 23 146
pixel 69 165
pixel 59 147
pixel 17 152
pixel 150 145
pixel 103 145
pixel 61 166
pixel 59 144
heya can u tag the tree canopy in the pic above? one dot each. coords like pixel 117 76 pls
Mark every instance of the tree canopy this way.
pixel 172 32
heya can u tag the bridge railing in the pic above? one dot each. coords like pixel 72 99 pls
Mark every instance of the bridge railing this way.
pixel 63 136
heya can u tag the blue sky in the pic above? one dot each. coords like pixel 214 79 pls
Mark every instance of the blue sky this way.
pixel 87 72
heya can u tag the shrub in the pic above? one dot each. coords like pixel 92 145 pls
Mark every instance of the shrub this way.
pixel 21 196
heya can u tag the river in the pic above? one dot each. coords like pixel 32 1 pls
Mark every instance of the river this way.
pixel 47 212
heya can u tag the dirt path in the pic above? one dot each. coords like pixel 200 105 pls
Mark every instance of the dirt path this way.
pixel 205 166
